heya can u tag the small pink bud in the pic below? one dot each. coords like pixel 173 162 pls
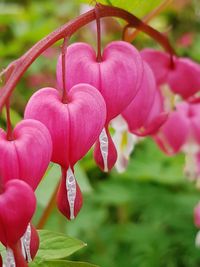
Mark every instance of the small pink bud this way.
pixel 69 206
pixel 181 74
pixel 27 156
pixel 17 205
pixel 117 76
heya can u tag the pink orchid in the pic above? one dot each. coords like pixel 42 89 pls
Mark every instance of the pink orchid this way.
pixel 27 156
pixel 117 76
pixel 74 127
pixel 17 205
pixel 145 114
pixel 181 74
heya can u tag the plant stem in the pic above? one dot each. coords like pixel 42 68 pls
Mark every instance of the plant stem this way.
pixel 48 210
pixel 99 57
pixel 8 121
pixel 64 48
pixel 22 64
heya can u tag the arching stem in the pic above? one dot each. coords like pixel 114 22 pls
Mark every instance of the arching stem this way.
pixel 22 64
pixel 99 57
pixel 49 208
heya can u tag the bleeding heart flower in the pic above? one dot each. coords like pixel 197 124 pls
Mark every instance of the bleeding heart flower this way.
pixel 145 114
pixel 117 76
pixel 27 156
pixel 17 206
pixel 181 74
pixel 74 126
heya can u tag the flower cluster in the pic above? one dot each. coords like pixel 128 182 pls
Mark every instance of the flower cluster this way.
pixel 62 124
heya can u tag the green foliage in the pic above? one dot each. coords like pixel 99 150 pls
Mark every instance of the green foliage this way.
pixel 138 7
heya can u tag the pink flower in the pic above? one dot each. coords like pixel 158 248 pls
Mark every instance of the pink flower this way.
pixel 117 76
pixel 145 114
pixel 181 127
pixel 182 74
pixel 17 205
pixel 74 127
pixel 27 156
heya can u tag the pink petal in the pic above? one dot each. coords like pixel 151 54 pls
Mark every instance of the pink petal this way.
pixel 117 77
pixel 173 134
pixel 197 215
pixel 28 155
pixel 184 79
pixel 17 205
pixel 159 62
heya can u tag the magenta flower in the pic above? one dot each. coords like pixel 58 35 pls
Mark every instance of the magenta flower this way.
pixel 17 205
pixel 74 127
pixel 181 74
pixel 186 119
pixel 145 114
pixel 117 76
pixel 27 156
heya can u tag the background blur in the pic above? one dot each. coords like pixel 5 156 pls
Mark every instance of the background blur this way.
pixel 144 217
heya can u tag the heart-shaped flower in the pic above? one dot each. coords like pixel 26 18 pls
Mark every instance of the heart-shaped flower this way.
pixel 27 156
pixel 181 74
pixel 74 126
pixel 117 76
pixel 17 206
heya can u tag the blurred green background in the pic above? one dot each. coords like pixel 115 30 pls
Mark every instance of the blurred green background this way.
pixel 143 217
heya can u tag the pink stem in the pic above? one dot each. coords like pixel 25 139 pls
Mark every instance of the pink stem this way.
pixel 64 48
pixel 68 29
pixel 99 57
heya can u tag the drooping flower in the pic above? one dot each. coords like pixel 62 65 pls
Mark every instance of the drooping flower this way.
pixel 197 215
pixel 181 132
pixel 145 114
pixel 74 127
pixel 117 76
pixel 181 74
pixel 27 156
pixel 17 205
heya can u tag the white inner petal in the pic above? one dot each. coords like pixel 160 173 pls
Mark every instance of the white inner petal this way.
pixel 9 259
pixel 26 242
pixel 103 140
pixel 71 191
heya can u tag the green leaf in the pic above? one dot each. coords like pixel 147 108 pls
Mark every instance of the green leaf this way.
pixel 61 264
pixel 56 246
pixel 138 7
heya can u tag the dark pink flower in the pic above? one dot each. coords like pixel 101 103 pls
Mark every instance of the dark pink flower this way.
pixel 27 156
pixel 17 206
pixel 117 76
pixel 182 74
